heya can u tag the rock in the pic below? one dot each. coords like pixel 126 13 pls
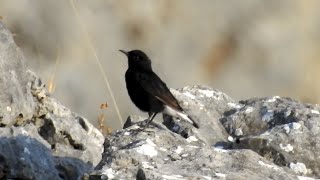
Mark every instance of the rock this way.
pixel 39 137
pixel 166 155
pixel 15 97
pixel 281 130
pixel 205 106
pixel 209 152
pixel 260 138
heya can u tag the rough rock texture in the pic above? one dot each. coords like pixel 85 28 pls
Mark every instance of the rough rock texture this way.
pixel 266 138
pixel 15 97
pixel 260 138
pixel 282 130
pixel 39 138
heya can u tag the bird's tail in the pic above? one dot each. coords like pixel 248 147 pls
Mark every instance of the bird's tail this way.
pixel 181 114
pixel 194 123
pixel 188 118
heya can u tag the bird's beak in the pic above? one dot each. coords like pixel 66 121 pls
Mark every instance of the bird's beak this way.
pixel 124 52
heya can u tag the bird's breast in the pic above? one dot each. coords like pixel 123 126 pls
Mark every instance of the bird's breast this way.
pixel 139 95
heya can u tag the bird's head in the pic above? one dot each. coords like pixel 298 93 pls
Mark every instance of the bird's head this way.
pixel 138 60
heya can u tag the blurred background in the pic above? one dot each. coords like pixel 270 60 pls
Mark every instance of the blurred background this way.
pixel 244 48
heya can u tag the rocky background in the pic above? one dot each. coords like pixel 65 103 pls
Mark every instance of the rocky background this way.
pixel 248 48
pixel 39 137
pixel 259 138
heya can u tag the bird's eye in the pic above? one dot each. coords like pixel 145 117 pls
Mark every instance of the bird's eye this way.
pixel 137 58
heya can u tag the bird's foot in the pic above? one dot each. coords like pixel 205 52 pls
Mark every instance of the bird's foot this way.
pixel 145 124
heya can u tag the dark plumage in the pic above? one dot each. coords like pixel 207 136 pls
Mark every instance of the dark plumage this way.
pixel 147 91
pixel 141 175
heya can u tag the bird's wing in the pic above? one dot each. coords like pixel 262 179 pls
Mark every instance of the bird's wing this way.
pixel 157 88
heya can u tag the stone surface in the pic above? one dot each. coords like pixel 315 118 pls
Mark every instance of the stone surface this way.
pixel 282 130
pixel 260 138
pixel 166 155
pixel 39 137
pixel 15 97
pixel 205 106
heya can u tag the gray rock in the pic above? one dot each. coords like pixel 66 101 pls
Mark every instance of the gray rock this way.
pixel 266 138
pixel 15 97
pixel 166 155
pixel 206 107
pixel 281 130
pixel 39 137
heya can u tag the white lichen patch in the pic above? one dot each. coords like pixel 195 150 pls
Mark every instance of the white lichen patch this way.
pixel 268 165
pixel 172 177
pixel 9 109
pixel 192 139
pixel 217 149
pixel 150 142
pixel 179 150
pixel 286 128
pixel 313 111
pixel 234 105
pixel 291 126
pixel 148 149
pixel 185 103
pixel 135 127
pixel 265 134
pixel 220 175
pixel 287 148
pixel 196 147
pixel 188 94
pixel 109 173
pixel 287 113
pixel 268 116
pixel 207 93
pixel 273 99
pixel 298 168
pixel 295 125
pixel 126 133
pixel 146 165
pixel 238 132
pixel 26 133
pixel 207 177
pixel 306 178
pixel 230 139
pixel 114 148
pixel 184 155
pixel 249 110
pixel 163 149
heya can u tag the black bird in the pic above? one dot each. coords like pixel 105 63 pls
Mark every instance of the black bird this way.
pixel 141 175
pixel 147 91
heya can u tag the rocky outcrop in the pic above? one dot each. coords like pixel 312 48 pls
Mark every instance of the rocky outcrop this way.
pixel 39 137
pixel 281 130
pixel 261 138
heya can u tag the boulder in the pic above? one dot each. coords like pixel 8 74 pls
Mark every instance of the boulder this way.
pixel 39 137
pixel 260 138
pixel 281 130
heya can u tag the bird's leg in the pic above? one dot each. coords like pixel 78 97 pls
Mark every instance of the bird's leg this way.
pixel 150 118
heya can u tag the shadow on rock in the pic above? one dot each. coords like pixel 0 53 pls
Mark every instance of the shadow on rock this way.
pixel 23 157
